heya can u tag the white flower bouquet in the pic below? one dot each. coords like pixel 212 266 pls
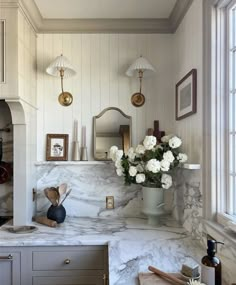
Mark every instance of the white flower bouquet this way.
pixel 149 164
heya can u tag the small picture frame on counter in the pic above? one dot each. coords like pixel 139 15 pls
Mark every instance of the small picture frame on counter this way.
pixel 57 147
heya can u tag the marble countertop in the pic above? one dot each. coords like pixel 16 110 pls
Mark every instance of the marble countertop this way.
pixel 133 245
pixel 93 231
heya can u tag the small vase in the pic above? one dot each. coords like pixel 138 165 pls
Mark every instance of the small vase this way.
pixel 153 203
pixel 56 213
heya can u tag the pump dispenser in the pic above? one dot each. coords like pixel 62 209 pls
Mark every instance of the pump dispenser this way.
pixel 211 265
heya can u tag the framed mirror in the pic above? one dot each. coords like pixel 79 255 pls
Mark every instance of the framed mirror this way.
pixel 111 127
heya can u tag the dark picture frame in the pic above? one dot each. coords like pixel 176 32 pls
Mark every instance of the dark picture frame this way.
pixel 57 147
pixel 186 95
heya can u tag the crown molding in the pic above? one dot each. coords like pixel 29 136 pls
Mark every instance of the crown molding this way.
pixel 105 26
pixel 180 9
pixel 31 12
pixel 8 4
pixel 135 26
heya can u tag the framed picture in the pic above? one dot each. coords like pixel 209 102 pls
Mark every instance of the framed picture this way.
pixel 186 95
pixel 57 147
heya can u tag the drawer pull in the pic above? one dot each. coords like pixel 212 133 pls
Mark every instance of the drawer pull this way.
pixel 8 257
pixel 67 261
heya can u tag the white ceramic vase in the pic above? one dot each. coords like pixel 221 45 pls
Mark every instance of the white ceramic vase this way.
pixel 153 204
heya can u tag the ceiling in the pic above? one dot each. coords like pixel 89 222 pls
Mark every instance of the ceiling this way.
pixel 105 9
pixel 105 16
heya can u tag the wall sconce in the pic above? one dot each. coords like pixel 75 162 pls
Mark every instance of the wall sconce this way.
pixel 141 68
pixel 63 68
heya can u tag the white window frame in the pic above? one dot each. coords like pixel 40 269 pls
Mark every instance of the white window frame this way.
pixel 230 207
pixel 214 173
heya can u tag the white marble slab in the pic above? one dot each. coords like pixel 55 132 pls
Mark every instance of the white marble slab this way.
pixel 132 244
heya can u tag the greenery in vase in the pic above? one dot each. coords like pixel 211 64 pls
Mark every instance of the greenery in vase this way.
pixel 149 164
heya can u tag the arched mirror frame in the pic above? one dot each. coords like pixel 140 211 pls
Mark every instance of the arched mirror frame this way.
pixel 128 145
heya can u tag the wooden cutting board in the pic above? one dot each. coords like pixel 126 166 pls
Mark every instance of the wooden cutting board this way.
pixel 153 279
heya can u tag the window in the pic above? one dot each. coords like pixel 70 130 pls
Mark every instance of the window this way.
pixel 231 108
pixel 220 114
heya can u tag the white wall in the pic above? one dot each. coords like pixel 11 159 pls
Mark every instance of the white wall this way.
pixel 188 54
pixel 101 61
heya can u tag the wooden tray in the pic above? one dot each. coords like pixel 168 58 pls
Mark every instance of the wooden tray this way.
pixel 153 279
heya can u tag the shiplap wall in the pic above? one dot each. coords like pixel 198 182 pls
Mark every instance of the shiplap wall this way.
pixel 27 91
pixel 101 61
pixel 188 50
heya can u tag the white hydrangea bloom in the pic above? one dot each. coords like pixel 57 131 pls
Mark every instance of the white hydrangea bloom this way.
pixel 166 181
pixel 153 165
pixel 140 178
pixel 113 150
pixel 168 156
pixel 118 154
pixel 140 149
pixel 149 142
pixel 119 171
pixel 182 157
pixel 165 165
pixel 118 163
pixel 175 142
pixel 139 168
pixel 132 171
pixel 131 154
pixel 166 138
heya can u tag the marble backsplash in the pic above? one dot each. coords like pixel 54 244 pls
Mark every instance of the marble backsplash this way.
pixel 91 183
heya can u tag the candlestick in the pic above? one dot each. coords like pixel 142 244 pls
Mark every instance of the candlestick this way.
pixel 76 130
pixel 84 136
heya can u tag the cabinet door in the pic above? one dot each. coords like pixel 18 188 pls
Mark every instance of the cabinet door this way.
pixel 10 268
pixel 79 280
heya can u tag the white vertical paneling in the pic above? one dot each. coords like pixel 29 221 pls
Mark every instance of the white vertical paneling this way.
pixel 67 114
pixel 104 70
pixel 141 111
pixel 133 82
pixel 188 55
pixel 95 75
pixel 123 79
pixel 101 61
pixel 41 96
pixel 52 110
pixel 76 107
pixel 86 91
pixel 113 70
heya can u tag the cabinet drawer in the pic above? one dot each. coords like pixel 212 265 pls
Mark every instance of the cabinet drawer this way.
pixel 74 259
pixel 82 280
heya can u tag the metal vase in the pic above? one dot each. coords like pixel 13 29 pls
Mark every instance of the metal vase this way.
pixel 84 153
pixel 75 151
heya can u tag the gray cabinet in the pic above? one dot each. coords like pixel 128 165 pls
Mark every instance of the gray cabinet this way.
pixel 54 265
pixel 65 265
pixel 9 267
pixel 79 280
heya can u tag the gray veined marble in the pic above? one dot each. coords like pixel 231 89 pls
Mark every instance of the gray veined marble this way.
pixel 90 185
pixel 132 244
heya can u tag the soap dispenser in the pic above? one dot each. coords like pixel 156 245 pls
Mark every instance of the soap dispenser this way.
pixel 211 265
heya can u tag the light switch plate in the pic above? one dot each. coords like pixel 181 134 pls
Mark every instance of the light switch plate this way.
pixel 110 202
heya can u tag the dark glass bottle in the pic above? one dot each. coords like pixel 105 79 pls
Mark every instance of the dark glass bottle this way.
pixel 211 265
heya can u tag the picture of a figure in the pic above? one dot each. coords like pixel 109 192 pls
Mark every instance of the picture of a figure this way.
pixel 57 147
